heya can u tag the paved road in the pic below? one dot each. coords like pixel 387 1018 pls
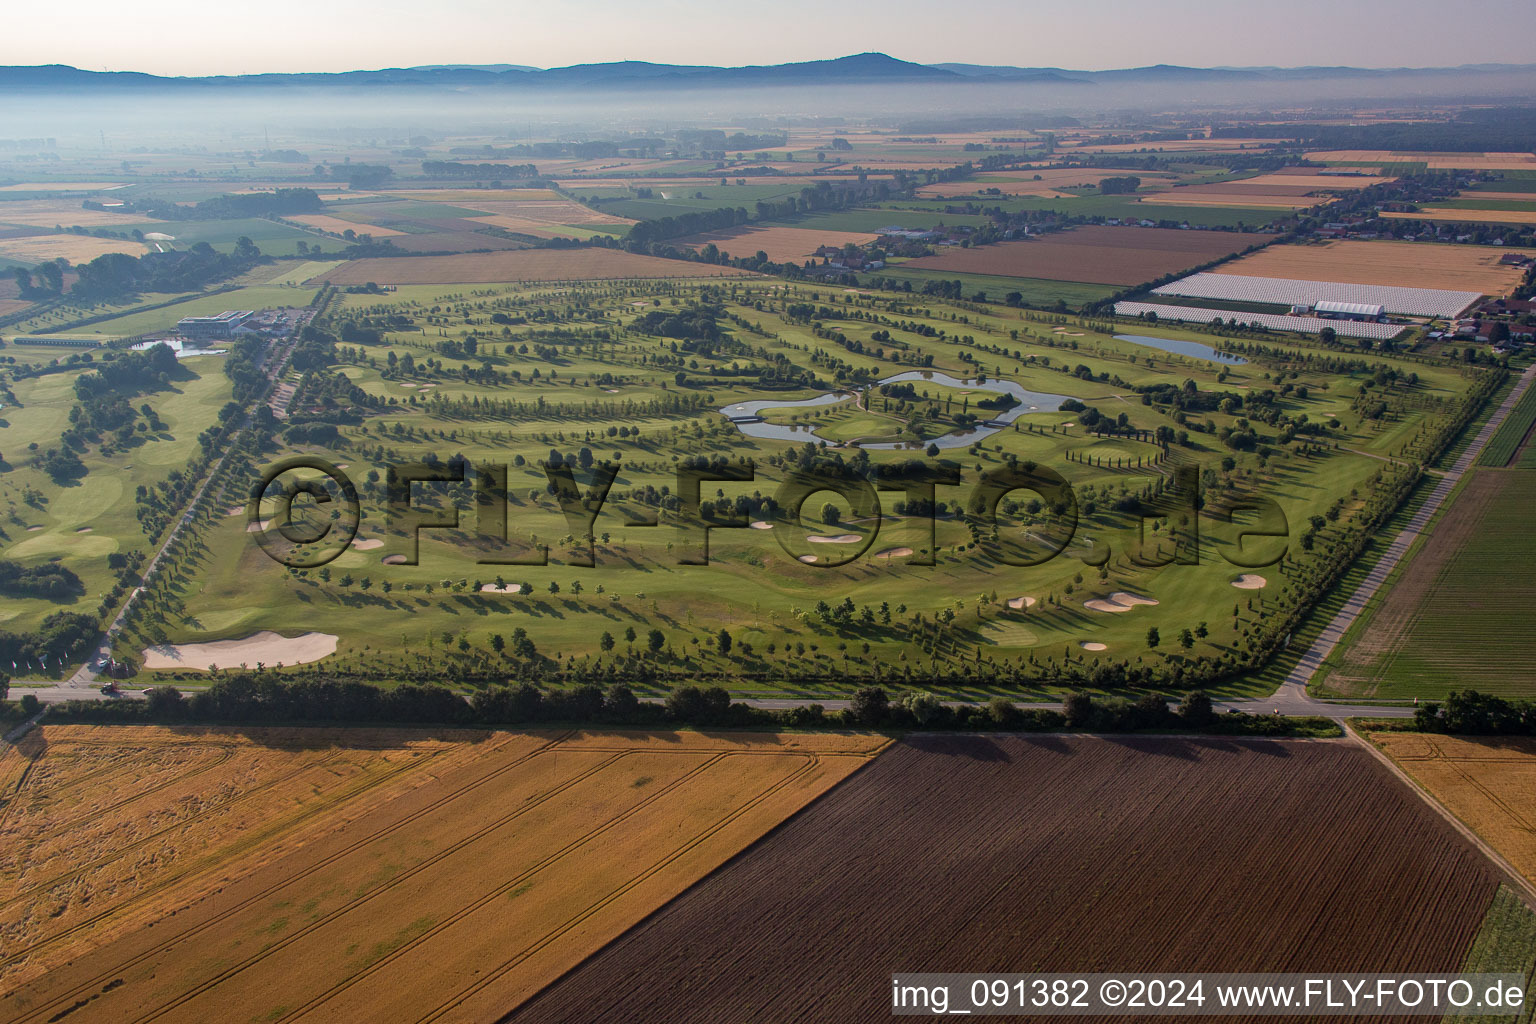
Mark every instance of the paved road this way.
pixel 1294 688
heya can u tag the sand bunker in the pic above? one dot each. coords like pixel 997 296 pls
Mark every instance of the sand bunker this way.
pixel 260 527
pixel 265 647
pixel 238 510
pixel 807 559
pixel 762 526
pixel 1089 645
pixel 842 538
pixel 1117 602
pixel 366 545
pixel 393 560
pixel 491 588
pixel 1020 602
pixel 1249 581
pixel 82 529
pixel 33 529
pixel 893 553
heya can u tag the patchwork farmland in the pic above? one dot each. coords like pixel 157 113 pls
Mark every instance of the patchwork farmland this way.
pixel 1021 854
pixel 482 864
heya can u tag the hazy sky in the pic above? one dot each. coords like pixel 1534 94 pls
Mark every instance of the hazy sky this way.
pixel 198 37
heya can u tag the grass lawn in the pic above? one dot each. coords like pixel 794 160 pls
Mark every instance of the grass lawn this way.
pixel 81 523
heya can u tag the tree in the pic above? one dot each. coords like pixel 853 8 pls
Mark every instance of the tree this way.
pixel 1079 711
pixel 1196 708
pixel 831 515
pixel 1186 638
pixel 1153 638
pixel 629 634
pixel 606 641
pixel 498 643
pixel 870 705
pixel 655 640
pixel 931 451
pixel 1327 335
pixel 723 641
pixel 1202 631
pixel 5 686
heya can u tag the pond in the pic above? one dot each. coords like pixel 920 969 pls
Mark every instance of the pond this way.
pixel 1193 349
pixel 745 414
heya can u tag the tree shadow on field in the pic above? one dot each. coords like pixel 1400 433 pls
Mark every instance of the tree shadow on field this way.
pixel 335 735
pixel 973 748
pixel 1191 748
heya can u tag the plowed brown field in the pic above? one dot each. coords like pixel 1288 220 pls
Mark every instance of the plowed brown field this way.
pixel 1052 853
pixel 1093 255
pixel 506 267
pixel 346 875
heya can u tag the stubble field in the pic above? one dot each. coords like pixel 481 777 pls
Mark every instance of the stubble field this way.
pixel 1489 782
pixel 301 874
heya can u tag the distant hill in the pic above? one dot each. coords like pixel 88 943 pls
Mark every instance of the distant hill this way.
pixel 857 68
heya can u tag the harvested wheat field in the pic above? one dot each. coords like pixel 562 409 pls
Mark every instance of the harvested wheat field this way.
pixel 1466 216
pixel 1488 782
pixel 1094 255
pixel 1435 161
pixel 783 245
pixel 481 866
pixel 507 267
pixel 1405 264
pixel 75 248
pixel 338 226
pixel 47 213
pixel 1019 853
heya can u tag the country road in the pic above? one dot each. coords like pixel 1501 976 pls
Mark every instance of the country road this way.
pixel 1294 688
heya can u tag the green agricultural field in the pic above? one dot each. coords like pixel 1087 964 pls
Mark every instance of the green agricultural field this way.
pixel 270 237
pixel 873 219
pixel 1506 441
pixel 1033 291
pixel 507 375
pixel 1452 615
pixel 80 523
pixel 1123 208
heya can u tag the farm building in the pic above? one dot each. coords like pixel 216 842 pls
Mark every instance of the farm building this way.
pixel 222 326
pixel 1351 310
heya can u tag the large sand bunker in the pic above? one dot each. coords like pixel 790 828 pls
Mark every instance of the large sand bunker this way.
pixel 762 525
pixel 893 553
pixel 1249 581
pixel 366 545
pixel 1089 645
pixel 842 538
pixel 266 647
pixel 1019 603
pixel 1117 602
